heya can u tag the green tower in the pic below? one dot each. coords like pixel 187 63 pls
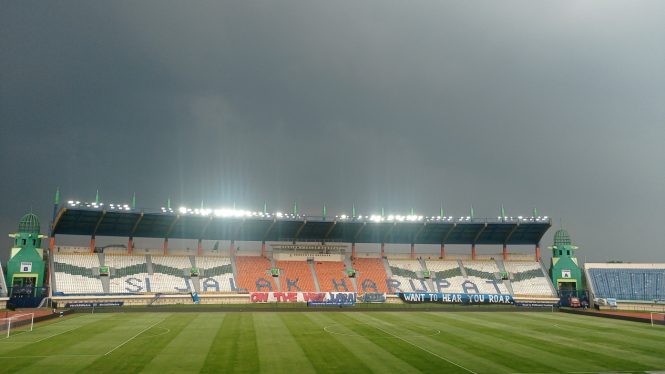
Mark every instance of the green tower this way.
pixel 564 270
pixel 26 263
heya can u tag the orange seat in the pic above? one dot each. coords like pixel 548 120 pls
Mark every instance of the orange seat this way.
pixel 296 270
pixel 251 269
pixel 327 271
pixel 372 269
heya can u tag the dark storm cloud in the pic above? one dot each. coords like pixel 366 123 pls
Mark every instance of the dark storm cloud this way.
pixel 378 104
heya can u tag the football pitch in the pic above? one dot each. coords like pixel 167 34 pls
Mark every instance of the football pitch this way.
pixel 334 342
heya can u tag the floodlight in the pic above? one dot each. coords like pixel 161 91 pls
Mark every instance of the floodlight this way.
pixel 183 210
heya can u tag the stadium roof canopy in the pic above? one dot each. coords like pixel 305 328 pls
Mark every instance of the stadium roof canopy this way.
pixel 288 228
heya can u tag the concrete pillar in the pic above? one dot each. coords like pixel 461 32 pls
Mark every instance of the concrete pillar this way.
pixel 413 251
pixel 263 248
pixel 129 246
pixel 166 245
pixel 383 250
pixel 538 252
pixel 52 244
pixel 92 244
pixel 505 252
pixel 473 251
pixel 443 252
pixel 232 249
pixel 353 250
pixel 199 251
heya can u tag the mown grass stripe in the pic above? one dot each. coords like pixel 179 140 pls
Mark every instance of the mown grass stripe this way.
pixel 374 356
pixel 278 350
pixel 136 354
pixel 325 353
pixel 492 346
pixel 64 344
pixel 234 349
pixel 186 353
pixel 412 355
pixel 606 338
pixel 594 354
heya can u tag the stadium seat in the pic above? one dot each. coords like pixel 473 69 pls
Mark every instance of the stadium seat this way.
pixel 216 274
pixel 330 273
pixel 253 274
pixel 479 272
pixel 628 284
pixel 449 271
pixel 405 272
pixel 372 275
pixel 297 276
pixel 73 273
pixel 130 273
pixel 529 279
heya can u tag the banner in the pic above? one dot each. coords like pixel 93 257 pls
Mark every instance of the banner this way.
pixel 456 298
pixel 90 305
pixel 375 297
pixel 195 297
pixel 301 297
pixel 537 304
pixel 331 303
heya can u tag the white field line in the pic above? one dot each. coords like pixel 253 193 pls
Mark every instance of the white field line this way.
pixel 44 338
pixel 406 341
pixel 51 356
pixel 127 341
pixel 42 327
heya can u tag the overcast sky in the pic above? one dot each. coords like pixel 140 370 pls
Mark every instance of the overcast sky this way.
pixel 378 103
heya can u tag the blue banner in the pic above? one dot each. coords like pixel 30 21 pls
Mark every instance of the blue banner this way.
pixel 375 297
pixel 195 297
pixel 456 298
pixel 330 303
pixel 90 305
pixel 536 304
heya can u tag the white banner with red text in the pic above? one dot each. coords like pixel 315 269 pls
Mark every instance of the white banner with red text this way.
pixel 302 297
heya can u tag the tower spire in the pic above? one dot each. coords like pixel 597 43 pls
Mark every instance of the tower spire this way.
pixel 503 213
pixel 535 212
pixel 134 201
pixel 295 208
pixel 324 210
pixel 265 207
pixel 441 212
pixel 57 196
pixel 472 212
pixel 383 214
pixel 97 197
pixel 411 209
pixel 168 203
pixel 353 211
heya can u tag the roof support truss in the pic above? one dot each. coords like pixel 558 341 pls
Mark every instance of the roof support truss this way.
pixel 168 232
pixel 136 224
pixel 510 233
pixel 99 221
pixel 478 233
pixel 329 231
pixel 447 234
pixel 298 231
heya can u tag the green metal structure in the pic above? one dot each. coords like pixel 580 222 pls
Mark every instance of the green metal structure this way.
pixel 564 270
pixel 26 263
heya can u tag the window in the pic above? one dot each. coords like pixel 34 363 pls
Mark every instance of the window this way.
pixel 34 241
pixel 23 241
pixel 568 252
pixel 560 252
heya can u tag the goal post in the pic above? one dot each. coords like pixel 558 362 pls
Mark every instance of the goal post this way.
pixel 657 318
pixel 16 321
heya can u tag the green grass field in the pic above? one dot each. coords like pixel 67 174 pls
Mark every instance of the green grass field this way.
pixel 334 342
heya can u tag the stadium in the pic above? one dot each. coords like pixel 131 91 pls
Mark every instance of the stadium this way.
pixel 308 301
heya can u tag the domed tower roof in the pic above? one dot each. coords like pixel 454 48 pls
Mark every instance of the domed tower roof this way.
pixel 561 238
pixel 29 223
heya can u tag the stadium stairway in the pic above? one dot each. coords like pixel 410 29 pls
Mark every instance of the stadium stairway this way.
pixel 429 282
pixel 234 267
pixel 196 281
pixel 314 277
pixel 349 265
pixel 506 283
pixel 544 269
pixel 386 266
pixel 462 269
pixel 148 261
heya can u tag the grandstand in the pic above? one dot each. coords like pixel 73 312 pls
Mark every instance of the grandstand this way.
pixel 296 276
pixel 371 275
pixel 332 276
pixel 409 275
pixel 633 285
pixel 254 274
pixel 449 272
pixel 77 274
pixel 485 275
pixel 217 273
pixel 529 279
